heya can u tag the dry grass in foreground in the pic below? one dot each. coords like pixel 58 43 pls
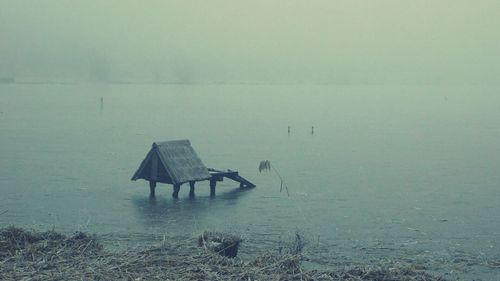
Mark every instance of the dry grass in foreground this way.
pixel 26 255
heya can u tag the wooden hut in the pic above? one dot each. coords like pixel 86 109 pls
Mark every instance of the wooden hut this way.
pixel 176 163
pixel 172 162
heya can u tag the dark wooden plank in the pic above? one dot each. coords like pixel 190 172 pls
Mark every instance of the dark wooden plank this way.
pixel 230 174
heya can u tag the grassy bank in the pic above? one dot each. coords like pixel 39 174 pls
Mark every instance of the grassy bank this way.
pixel 27 255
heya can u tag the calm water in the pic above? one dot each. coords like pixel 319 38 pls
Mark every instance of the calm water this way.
pixel 391 173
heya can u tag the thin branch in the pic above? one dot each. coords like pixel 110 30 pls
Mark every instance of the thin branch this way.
pixel 282 182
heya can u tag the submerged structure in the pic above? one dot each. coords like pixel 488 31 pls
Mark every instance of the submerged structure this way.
pixel 176 163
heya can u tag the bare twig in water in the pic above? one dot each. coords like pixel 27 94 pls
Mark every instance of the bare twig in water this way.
pixel 4 212
pixel 265 165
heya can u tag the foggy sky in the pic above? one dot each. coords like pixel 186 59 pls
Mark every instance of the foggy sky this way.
pixel 329 41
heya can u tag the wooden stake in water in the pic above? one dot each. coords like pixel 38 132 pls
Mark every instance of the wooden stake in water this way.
pixel 289 130
pixel 102 104
pixel 312 130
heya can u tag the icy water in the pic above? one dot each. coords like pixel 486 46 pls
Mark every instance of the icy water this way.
pixel 401 173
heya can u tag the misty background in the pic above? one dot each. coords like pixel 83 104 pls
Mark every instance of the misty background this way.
pixel 403 96
pixel 343 42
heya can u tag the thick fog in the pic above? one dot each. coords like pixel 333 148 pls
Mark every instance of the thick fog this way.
pixel 251 41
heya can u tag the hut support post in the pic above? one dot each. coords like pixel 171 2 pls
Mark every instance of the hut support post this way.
pixel 175 194
pixel 152 187
pixel 213 183
pixel 191 189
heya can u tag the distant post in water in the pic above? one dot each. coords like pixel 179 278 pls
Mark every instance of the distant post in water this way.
pixel 102 104
pixel 312 130
pixel 289 130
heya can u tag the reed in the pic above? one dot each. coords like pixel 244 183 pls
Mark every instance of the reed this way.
pixel 265 165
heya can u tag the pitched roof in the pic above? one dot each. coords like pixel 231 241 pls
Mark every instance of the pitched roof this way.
pixel 178 163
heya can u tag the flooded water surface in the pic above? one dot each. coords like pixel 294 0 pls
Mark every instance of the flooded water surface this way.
pixel 402 173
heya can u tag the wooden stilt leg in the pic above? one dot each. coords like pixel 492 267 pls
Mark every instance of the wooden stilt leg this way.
pixel 213 183
pixel 175 194
pixel 152 187
pixel 191 189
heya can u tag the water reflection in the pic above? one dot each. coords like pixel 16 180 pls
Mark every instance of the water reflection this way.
pixel 161 210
